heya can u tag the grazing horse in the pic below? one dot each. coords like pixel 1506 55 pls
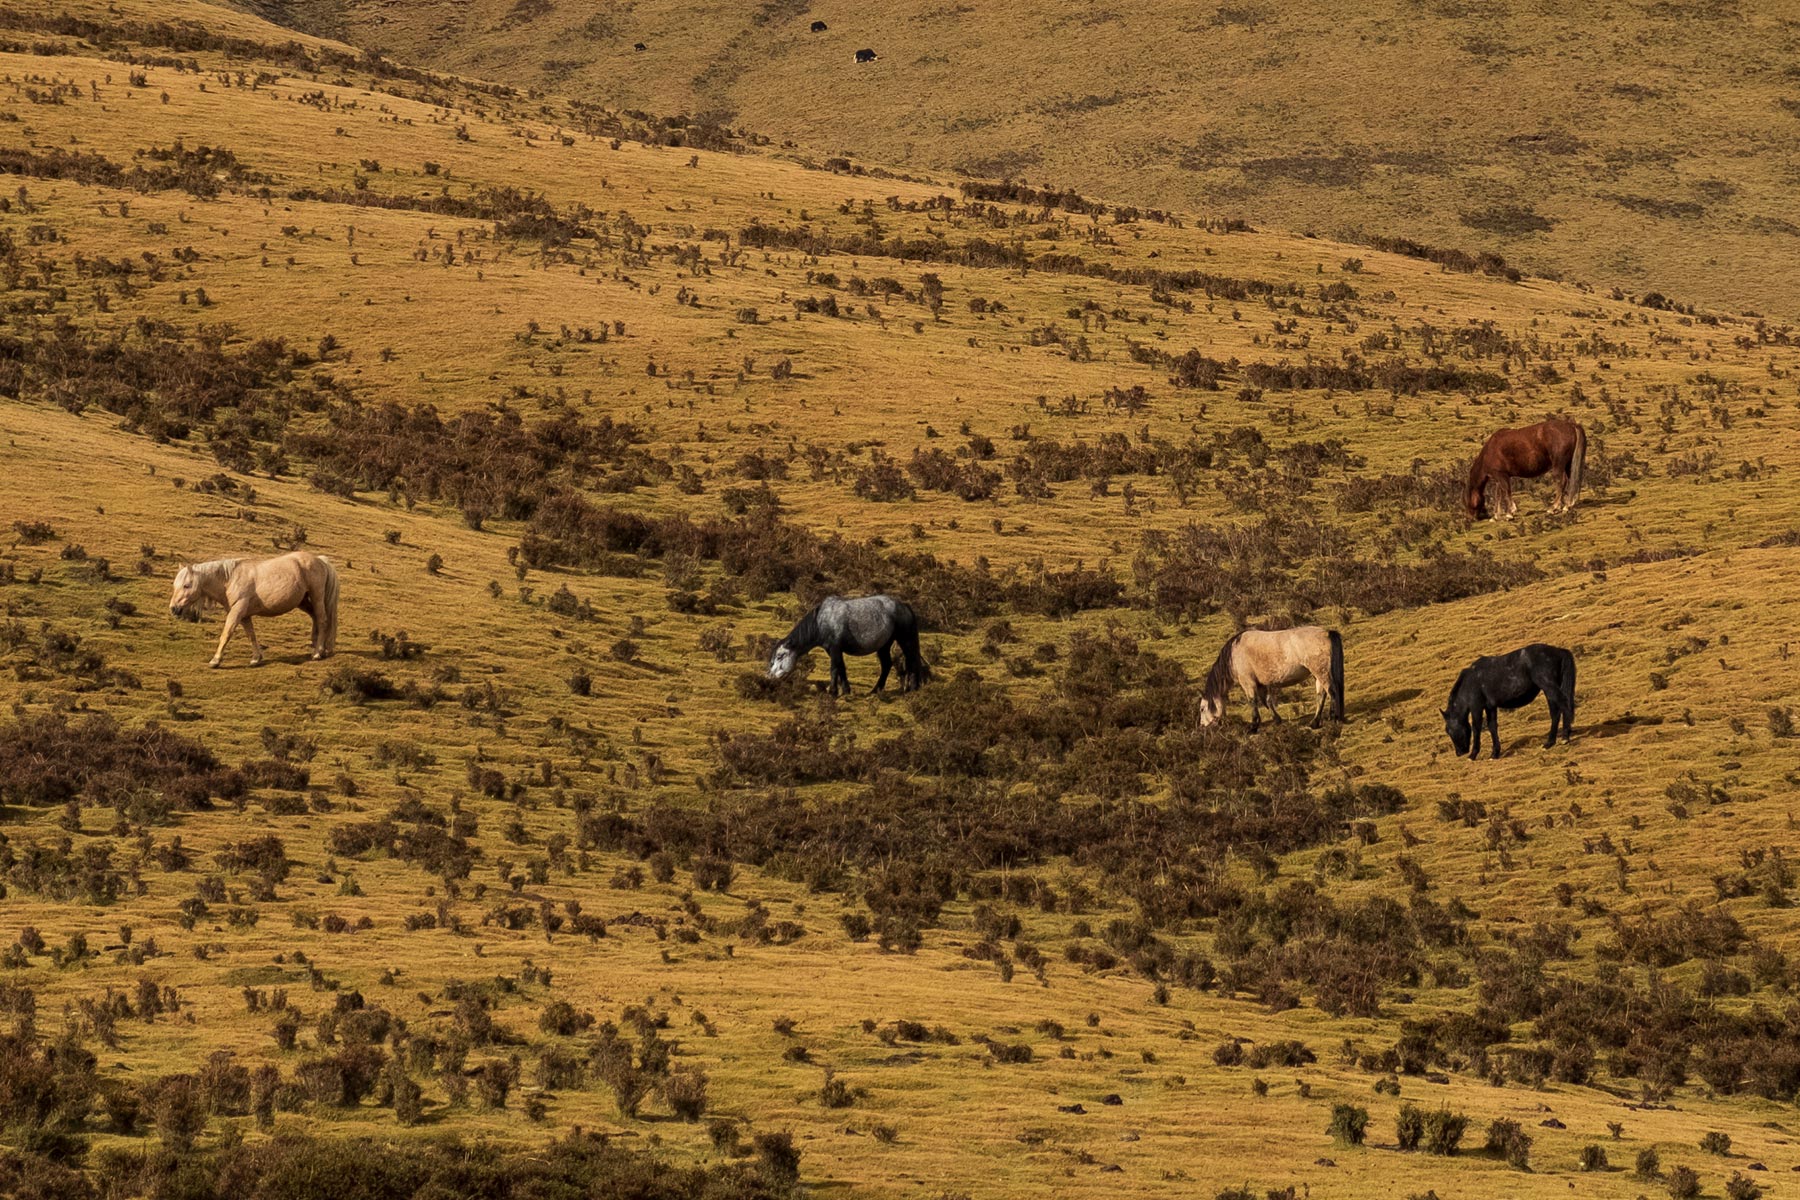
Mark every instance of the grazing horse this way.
pixel 865 56
pixel 866 625
pixel 1260 660
pixel 1556 448
pixel 1510 681
pixel 261 587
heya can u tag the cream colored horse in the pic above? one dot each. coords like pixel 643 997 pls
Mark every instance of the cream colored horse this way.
pixel 1262 660
pixel 261 587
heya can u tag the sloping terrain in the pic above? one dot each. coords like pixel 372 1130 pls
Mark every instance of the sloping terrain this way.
pixel 588 406
pixel 1645 144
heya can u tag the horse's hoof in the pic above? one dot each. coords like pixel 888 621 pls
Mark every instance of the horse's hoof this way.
pixel 213 663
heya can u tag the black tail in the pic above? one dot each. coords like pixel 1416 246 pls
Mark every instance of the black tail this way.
pixel 1337 673
pixel 1568 690
pixel 907 634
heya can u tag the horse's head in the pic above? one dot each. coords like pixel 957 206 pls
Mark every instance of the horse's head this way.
pixel 1458 727
pixel 1476 503
pixel 185 598
pixel 782 662
pixel 1210 710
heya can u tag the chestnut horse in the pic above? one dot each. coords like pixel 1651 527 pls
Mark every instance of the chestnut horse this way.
pixel 261 587
pixel 1556 448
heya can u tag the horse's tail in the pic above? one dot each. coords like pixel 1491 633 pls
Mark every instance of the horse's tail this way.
pixel 907 633
pixel 1337 673
pixel 329 618
pixel 1577 464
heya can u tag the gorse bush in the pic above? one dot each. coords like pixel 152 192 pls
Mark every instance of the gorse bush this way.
pixel 1349 1124
pixel 49 760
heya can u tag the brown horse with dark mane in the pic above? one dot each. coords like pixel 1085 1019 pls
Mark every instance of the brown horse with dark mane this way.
pixel 1556 448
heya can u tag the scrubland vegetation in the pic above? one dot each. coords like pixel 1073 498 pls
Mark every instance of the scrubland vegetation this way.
pixel 541 886
pixel 1647 144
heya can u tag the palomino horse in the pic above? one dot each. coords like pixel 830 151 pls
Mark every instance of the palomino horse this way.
pixel 1260 660
pixel 866 625
pixel 261 587
pixel 1556 448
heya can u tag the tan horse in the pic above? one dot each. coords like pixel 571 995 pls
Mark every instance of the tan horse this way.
pixel 1261 660
pixel 261 587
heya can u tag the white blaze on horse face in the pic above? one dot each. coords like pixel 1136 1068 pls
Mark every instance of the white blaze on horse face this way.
pixel 782 662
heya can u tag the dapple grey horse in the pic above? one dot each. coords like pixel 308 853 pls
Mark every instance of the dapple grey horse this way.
pixel 864 625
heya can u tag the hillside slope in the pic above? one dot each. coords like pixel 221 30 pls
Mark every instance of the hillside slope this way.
pixel 1643 144
pixel 589 406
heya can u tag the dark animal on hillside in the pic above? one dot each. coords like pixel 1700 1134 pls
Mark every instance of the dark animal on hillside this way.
pixel 1556 448
pixel 247 588
pixel 640 47
pixel 818 27
pixel 1510 681
pixel 865 625
pixel 865 56
pixel 1260 661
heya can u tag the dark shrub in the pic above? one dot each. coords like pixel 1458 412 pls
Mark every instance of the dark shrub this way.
pixel 1349 1124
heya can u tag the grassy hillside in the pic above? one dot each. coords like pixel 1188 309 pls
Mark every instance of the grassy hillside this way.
pixel 589 406
pixel 1644 144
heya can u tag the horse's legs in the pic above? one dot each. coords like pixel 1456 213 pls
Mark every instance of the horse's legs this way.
pixel 1559 484
pixel 233 615
pixel 1268 698
pixel 1508 505
pixel 1255 695
pixel 315 608
pixel 1324 695
pixel 1493 724
pixel 838 674
pixel 886 658
pixel 256 655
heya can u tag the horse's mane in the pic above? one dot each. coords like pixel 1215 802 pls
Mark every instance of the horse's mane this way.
pixel 1478 471
pixel 1218 679
pixel 805 631
pixel 213 572
pixel 1456 688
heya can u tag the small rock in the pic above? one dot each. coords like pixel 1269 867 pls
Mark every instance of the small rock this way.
pixel 1113 1099
pixel 1326 1162
pixel 1071 1108
pixel 1552 1123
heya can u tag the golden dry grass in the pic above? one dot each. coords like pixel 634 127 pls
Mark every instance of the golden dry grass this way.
pixel 1648 144
pixel 459 339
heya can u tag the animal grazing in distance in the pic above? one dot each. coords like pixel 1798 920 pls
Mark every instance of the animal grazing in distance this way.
pixel 1555 447
pixel 1510 681
pixel 1259 660
pixel 864 625
pixel 819 27
pixel 247 588
pixel 639 47
pixel 865 56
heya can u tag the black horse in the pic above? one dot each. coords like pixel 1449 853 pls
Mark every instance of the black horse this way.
pixel 1510 681
pixel 866 625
